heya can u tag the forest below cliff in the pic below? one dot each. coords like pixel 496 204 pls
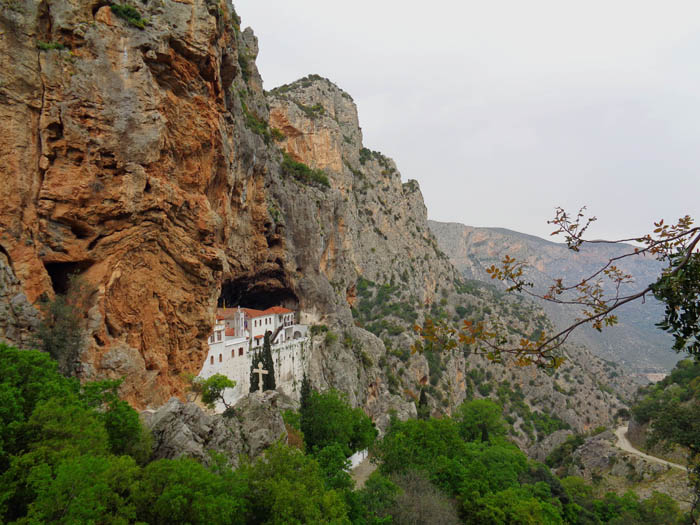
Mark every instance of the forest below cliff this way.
pixel 72 453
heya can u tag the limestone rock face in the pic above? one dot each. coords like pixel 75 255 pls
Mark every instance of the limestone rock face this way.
pixel 599 459
pixel 184 429
pixel 541 450
pixel 260 419
pixel 18 318
pixel 372 225
pixel 141 160
pixel 148 162
pixel 124 158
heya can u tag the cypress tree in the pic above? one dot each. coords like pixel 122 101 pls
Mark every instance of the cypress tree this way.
pixel 269 379
pixel 305 393
pixel 423 408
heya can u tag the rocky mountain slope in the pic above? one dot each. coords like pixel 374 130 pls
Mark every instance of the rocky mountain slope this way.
pixel 137 154
pixel 142 154
pixel 635 342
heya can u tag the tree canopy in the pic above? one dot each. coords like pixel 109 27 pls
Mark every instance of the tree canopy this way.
pixel 328 419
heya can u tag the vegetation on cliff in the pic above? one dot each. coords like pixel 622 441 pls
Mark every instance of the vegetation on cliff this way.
pixel 301 172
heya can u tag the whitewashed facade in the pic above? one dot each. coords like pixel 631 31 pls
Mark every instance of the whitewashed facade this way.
pixel 239 332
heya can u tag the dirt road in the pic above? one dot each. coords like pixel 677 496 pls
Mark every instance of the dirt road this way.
pixel 624 444
pixel 362 472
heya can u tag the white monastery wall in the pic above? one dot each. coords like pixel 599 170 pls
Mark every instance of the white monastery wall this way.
pixel 233 358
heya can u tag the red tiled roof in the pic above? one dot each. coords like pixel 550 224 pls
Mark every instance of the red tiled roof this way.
pixel 259 337
pixel 250 312
pixel 227 313
pixel 278 310
pixel 230 332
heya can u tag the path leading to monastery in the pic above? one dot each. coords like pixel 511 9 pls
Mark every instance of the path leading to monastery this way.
pixel 624 444
pixel 362 471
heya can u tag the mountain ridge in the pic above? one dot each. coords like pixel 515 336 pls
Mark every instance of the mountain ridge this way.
pixel 473 249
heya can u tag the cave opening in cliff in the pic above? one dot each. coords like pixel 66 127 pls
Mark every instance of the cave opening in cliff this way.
pixel 258 293
pixel 62 272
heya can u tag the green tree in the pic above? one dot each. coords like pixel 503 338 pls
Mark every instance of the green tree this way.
pixel 480 420
pixel 57 430
pixel 423 408
pixel 213 388
pixel 659 509
pixel 269 382
pixel 122 422
pixel 328 418
pixel 28 378
pixel 51 427
pixel 373 501
pixel 305 392
pixel 86 489
pixel 334 464
pixel 288 487
pixel 514 505
pixel 184 491
pixel 416 444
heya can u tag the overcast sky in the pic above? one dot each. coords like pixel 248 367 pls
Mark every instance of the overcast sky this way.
pixel 504 110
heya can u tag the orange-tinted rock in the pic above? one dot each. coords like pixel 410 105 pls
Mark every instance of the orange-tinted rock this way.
pixel 118 162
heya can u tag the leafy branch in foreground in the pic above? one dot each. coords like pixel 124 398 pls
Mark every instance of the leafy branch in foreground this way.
pixel 599 294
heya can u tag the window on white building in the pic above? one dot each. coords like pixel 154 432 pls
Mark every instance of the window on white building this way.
pixel 220 358
pixel 211 360
pixel 240 351
pixel 218 335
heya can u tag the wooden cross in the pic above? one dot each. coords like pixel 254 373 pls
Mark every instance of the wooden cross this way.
pixel 260 373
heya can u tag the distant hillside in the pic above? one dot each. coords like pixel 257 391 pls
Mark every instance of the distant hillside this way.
pixel 635 343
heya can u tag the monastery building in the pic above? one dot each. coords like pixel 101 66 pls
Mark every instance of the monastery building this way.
pixel 241 331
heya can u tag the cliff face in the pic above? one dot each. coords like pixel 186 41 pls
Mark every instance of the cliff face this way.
pixel 150 162
pixel 371 224
pixel 140 159
pixel 123 159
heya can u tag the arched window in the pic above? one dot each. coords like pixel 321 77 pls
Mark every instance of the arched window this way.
pixel 220 359
pixel 211 360
pixel 240 351
pixel 233 352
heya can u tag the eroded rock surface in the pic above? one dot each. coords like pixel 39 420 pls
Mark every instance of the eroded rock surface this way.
pixel 18 318
pixel 260 419
pixel 147 161
pixel 124 158
pixel 184 429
